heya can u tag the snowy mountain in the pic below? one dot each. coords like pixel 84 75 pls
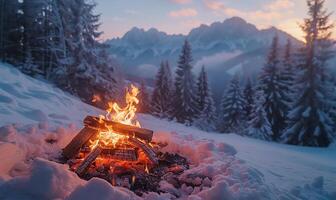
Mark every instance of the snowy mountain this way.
pixel 221 47
pixel 227 166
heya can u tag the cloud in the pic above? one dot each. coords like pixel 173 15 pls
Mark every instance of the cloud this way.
pixel 273 11
pixel 280 5
pixel 181 1
pixel 188 12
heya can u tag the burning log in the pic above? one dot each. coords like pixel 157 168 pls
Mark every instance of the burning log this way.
pixel 77 142
pixel 146 149
pixel 120 154
pixel 95 123
pixel 82 168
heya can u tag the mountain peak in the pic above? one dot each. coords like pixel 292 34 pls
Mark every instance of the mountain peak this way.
pixel 235 20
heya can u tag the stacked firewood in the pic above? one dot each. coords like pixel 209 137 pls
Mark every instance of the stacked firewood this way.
pixel 135 163
pixel 138 140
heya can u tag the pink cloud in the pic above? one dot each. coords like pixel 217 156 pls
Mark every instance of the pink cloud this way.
pixel 188 12
pixel 214 5
pixel 181 1
pixel 264 16
pixel 280 5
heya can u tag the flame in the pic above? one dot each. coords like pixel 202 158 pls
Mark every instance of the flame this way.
pixel 146 169
pixel 115 113
pixel 125 115
pixel 133 180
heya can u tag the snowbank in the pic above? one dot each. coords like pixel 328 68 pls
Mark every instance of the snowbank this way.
pixel 26 100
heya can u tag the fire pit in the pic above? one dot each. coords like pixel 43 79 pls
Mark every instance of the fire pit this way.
pixel 115 147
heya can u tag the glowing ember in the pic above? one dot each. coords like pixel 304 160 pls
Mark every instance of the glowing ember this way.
pixel 125 115
pixel 96 98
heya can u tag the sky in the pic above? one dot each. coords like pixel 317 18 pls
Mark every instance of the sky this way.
pixel 180 16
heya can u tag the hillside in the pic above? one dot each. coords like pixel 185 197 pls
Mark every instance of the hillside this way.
pixel 33 112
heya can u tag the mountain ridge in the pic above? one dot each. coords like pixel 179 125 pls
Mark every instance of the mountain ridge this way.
pixel 220 46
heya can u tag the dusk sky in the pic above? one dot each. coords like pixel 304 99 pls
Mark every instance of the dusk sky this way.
pixel 180 16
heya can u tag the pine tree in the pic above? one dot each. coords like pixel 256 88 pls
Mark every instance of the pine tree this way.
pixel 185 105
pixel 232 105
pixel 163 91
pixel 207 116
pixel 273 86
pixel 288 75
pixel 288 70
pixel 144 99
pixel 248 98
pixel 86 66
pixel 309 121
pixel 258 126
pixel 28 67
pixel 11 32
pixel 202 89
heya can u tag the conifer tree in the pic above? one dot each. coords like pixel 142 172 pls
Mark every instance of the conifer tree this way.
pixel 288 74
pixel 207 116
pixel 11 24
pixel 185 104
pixel 258 126
pixel 163 91
pixel 288 70
pixel 144 99
pixel 310 122
pixel 232 108
pixel 28 67
pixel 248 93
pixel 273 86
pixel 202 89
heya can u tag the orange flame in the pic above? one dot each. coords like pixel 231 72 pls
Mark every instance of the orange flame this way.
pixel 125 115
pixel 146 169
pixel 115 113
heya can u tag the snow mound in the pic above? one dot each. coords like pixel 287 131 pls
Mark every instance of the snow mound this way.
pixel 48 180
pixel 97 188
pixel 27 100
pixel 215 172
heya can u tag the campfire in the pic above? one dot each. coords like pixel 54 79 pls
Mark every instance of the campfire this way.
pixel 116 148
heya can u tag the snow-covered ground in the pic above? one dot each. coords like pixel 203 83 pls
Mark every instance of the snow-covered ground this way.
pixel 225 166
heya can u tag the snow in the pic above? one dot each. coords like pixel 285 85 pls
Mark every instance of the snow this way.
pixel 223 166
pixel 283 166
pixel 26 100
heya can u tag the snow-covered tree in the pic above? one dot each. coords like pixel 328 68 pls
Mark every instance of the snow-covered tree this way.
pixel 310 123
pixel 202 89
pixel 28 67
pixel 258 125
pixel 273 86
pixel 288 72
pixel 59 39
pixel 185 106
pixel 11 32
pixel 207 116
pixel 88 63
pixel 144 105
pixel 163 91
pixel 288 75
pixel 232 118
pixel 248 93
